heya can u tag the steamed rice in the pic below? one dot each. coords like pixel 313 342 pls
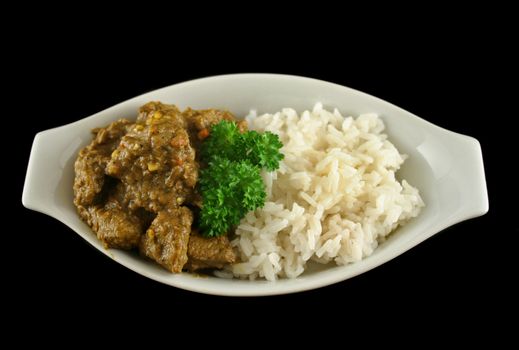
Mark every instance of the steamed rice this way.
pixel 334 198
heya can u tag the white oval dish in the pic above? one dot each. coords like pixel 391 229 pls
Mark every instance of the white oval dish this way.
pixel 445 166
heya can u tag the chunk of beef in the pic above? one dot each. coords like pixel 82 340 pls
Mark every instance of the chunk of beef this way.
pixel 200 121
pixel 206 253
pixel 114 226
pixel 150 108
pixel 155 161
pixel 92 160
pixel 166 240
pixel 205 118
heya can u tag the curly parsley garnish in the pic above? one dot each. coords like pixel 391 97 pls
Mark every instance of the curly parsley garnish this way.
pixel 231 184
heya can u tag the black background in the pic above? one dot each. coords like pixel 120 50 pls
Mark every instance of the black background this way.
pixel 453 80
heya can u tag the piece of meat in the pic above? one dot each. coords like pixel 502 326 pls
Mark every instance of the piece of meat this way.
pixel 90 176
pixel 206 253
pixel 166 240
pixel 114 226
pixel 150 108
pixel 199 123
pixel 205 118
pixel 155 160
pixel 92 160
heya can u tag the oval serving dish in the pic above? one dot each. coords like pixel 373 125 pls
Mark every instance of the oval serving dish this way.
pixel 446 167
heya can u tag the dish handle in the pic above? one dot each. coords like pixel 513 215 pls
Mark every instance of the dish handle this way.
pixel 467 174
pixel 48 182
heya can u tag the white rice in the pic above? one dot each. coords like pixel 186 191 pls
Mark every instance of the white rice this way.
pixel 334 197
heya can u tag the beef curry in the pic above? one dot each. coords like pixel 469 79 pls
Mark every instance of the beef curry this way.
pixel 135 186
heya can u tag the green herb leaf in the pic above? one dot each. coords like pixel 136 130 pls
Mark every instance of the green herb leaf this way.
pixel 229 189
pixel 231 184
pixel 263 149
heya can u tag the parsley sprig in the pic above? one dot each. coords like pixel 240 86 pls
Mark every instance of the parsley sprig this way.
pixel 231 184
